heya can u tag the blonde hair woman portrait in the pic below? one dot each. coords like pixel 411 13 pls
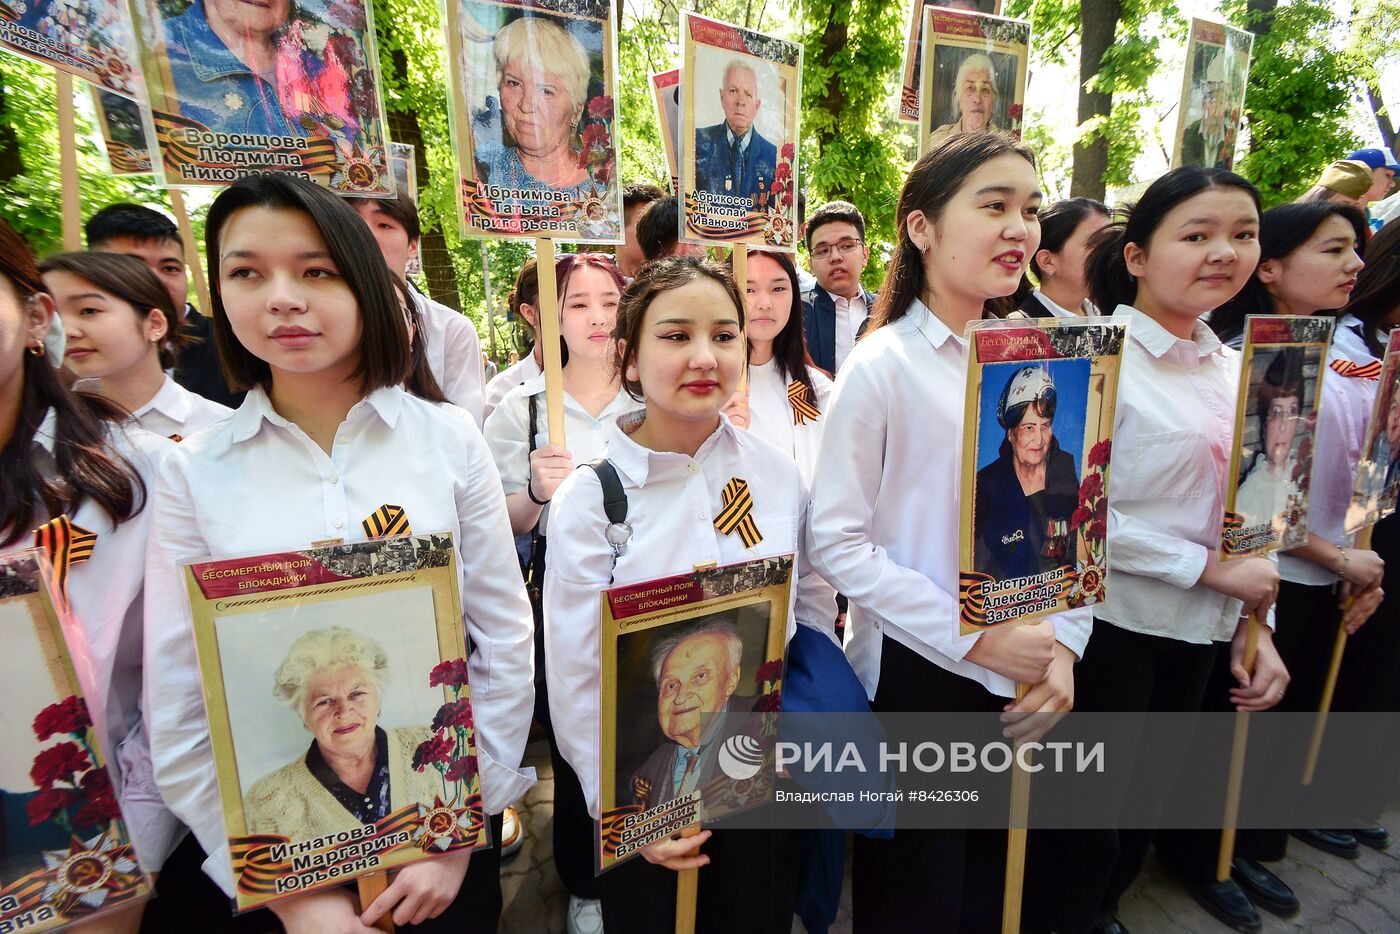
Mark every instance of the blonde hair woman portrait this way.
pixel 974 99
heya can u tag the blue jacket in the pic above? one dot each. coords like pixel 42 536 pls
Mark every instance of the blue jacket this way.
pixel 755 167
pixel 214 86
pixel 1012 537
pixel 819 323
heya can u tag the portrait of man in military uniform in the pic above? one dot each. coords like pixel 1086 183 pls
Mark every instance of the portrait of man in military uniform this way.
pixel 1025 497
pixel 732 157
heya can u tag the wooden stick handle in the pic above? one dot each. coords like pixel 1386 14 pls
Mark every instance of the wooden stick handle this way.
pixel 371 887
pixel 687 887
pixel 1234 782
pixel 1334 668
pixel 549 340
pixel 1016 841
pixel 182 220
pixel 68 163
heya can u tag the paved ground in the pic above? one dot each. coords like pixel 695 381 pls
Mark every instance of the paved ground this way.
pixel 1339 896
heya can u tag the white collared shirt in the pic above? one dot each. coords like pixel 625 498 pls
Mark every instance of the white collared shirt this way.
pixel 672 501
pixel 850 314
pixel 743 140
pixel 508 433
pixel 771 416
pixel 255 483
pixel 526 368
pixel 1347 339
pixel 175 411
pixel 454 354
pixel 1173 426
pixel 104 635
pixel 884 521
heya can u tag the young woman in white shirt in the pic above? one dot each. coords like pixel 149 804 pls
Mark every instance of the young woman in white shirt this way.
pixel 884 525
pixel 117 320
pixel 681 349
pixel 74 454
pixel 1188 246
pixel 1066 229
pixel 589 288
pixel 522 302
pixel 309 323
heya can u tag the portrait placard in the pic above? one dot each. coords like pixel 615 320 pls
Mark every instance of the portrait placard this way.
pixel 315 659
pixel 66 853
pixel 1266 507
pixel 403 163
pixel 914 48
pixel 124 135
pixel 1378 476
pixel 532 85
pixel 739 131
pixel 666 92
pixel 1037 446
pixel 692 680
pixel 973 76
pixel 92 40
pixel 236 88
pixel 1212 95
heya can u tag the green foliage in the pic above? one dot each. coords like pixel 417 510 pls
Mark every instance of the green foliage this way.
pixel 1300 87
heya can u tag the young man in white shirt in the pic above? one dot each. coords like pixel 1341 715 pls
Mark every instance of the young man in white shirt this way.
pixel 835 310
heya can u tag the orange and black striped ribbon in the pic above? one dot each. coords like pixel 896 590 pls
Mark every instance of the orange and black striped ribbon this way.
pixel 738 513
pixel 385 521
pixel 1370 370
pixel 802 410
pixel 67 545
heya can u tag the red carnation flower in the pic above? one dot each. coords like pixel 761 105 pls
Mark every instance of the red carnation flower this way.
pixel 1099 453
pixel 46 804
pixel 69 715
pixel 1014 111
pixel 783 171
pixel 461 770
pixel 59 763
pixel 1091 487
pixel 1101 512
pixel 1081 515
pixel 452 673
pixel 604 173
pixel 787 151
pixel 1098 530
pixel 434 749
pixel 601 108
pixel 771 702
pixel 771 670
pixel 454 713
pixel 595 134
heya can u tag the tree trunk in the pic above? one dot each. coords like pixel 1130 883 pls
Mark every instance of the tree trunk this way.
pixel 833 41
pixel 1098 21
pixel 1382 114
pixel 10 163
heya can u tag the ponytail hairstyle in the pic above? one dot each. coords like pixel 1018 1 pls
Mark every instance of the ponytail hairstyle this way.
pixel 526 290
pixel 564 269
pixel 1282 230
pixel 790 346
pixel 1059 221
pixel 1110 283
pixel 130 280
pixel 1377 293
pixel 938 175
pixel 87 466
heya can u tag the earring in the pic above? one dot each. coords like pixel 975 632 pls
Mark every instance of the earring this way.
pixel 38 348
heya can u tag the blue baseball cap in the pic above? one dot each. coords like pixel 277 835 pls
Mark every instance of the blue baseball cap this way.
pixel 1376 159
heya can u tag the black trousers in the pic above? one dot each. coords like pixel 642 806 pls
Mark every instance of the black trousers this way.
pixel 748 887
pixel 1367 682
pixel 188 900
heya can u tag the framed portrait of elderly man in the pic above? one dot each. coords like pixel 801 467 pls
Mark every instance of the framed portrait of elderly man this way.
pixel 274 86
pixel 692 681
pixel 914 47
pixel 531 86
pixel 739 130
pixel 666 93
pixel 1212 95
pixel 339 710
pixel 1037 448
pixel 123 127
pixel 91 40
pixel 1285 359
pixel 1378 476
pixel 974 74
pixel 65 853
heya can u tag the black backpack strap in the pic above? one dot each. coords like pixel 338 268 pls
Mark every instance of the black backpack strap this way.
pixel 614 505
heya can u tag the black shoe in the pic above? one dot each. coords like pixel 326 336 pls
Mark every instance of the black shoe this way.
pixel 1264 888
pixel 1228 904
pixel 1108 923
pixel 1336 842
pixel 1374 836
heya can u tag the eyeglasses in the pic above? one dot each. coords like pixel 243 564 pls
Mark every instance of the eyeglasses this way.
pixel 1284 411
pixel 844 247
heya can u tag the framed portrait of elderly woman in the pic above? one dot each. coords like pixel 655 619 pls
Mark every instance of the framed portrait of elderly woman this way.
pixel 1266 508
pixel 1037 448
pixel 914 47
pixel 740 98
pixel 339 710
pixel 973 76
pixel 531 86
pixel 65 853
pixel 1212 95
pixel 123 127
pixel 1378 475
pixel 91 40
pixel 275 86
pixel 692 682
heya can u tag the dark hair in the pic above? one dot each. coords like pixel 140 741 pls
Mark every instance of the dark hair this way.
pixel 934 180
pixel 830 213
pixel 385 357
pixel 1283 378
pixel 129 220
pixel 421 381
pixel 401 208
pixel 565 267
pixel 801 207
pixel 132 281
pixel 1377 292
pixel 1282 230
pixel 658 229
pixel 790 346
pixel 1059 221
pixel 640 193
pixel 663 275
pixel 87 466
pixel 526 290
pixel 1110 284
